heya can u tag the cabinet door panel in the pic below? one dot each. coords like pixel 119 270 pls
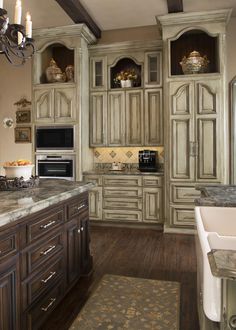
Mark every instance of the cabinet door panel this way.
pixel 98 73
pixel 116 119
pixel 98 107
pixel 152 200
pixel 9 289
pixel 95 203
pixel 65 104
pixel 182 216
pixel 134 117
pixel 43 105
pixel 153 117
pixel 73 250
pixel 182 163
pixel 207 149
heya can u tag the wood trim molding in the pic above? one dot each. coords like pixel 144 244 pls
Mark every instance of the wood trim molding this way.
pixel 78 14
pixel 175 6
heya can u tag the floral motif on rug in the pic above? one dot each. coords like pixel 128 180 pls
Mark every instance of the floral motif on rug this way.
pixel 121 302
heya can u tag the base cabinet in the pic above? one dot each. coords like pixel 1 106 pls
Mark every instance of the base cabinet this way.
pixel 126 198
pixel 41 259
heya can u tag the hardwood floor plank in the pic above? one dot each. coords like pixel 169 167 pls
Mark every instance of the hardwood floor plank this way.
pixel 138 253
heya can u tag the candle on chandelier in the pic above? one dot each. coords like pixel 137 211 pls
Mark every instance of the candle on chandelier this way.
pixel 18 12
pixel 1 3
pixel 28 25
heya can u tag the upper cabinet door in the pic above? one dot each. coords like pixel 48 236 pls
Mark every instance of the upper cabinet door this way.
pixel 116 118
pixel 153 69
pixel 208 137
pixel 43 105
pixel 134 117
pixel 182 156
pixel 153 117
pixel 98 109
pixel 65 104
pixel 98 73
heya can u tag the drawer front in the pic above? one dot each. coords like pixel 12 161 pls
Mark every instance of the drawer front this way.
pixel 152 181
pixel 122 215
pixel 39 253
pixel 123 203
pixel 9 244
pixel 184 194
pixel 45 224
pixel 182 217
pixel 36 316
pixel 97 179
pixel 122 181
pixel 32 288
pixel 122 192
pixel 77 207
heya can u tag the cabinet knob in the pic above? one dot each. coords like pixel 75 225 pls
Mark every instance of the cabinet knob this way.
pixel 82 228
pixel 78 231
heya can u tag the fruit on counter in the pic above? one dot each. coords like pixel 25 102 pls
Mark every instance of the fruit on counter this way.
pixel 19 162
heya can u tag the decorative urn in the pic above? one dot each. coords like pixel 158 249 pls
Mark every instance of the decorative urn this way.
pixel 194 63
pixel 54 73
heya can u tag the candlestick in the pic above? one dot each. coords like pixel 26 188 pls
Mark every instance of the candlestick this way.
pixel 28 26
pixel 18 12
pixel 1 3
pixel 19 37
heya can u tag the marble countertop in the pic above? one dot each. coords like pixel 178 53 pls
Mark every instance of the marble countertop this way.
pixel 217 195
pixel 18 204
pixel 122 172
pixel 223 263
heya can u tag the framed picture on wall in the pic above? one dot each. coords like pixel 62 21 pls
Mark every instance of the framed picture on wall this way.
pixel 22 134
pixel 23 116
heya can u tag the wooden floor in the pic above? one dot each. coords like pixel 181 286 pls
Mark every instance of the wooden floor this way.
pixel 138 253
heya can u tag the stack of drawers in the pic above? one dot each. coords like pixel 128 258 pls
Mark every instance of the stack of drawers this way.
pixel 131 198
pixel 42 266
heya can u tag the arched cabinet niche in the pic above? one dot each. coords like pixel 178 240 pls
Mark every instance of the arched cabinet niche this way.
pixel 194 40
pixel 125 66
pixel 62 55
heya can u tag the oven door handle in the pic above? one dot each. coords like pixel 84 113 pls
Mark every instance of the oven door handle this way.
pixel 53 162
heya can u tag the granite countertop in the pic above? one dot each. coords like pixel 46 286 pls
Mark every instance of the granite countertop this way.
pixel 122 172
pixel 20 203
pixel 217 195
pixel 223 263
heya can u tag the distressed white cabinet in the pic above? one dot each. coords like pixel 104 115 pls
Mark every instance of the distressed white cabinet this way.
pixel 195 112
pixel 132 116
pixel 54 104
pixel 95 197
pixel 98 117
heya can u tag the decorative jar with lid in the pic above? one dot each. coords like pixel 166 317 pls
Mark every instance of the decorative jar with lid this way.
pixel 194 63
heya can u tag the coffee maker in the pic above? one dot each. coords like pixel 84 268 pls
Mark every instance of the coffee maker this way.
pixel 148 161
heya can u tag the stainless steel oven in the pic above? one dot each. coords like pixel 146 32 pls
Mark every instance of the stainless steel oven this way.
pixel 55 166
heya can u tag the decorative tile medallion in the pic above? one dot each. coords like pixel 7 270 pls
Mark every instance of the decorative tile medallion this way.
pixel 96 154
pixel 129 154
pixel 112 154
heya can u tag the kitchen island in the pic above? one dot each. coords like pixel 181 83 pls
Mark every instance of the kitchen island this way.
pixel 44 249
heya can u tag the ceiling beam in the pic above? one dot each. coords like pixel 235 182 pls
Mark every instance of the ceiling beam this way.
pixel 175 6
pixel 78 14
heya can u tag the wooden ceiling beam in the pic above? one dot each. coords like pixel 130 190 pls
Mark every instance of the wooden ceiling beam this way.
pixel 78 14
pixel 175 6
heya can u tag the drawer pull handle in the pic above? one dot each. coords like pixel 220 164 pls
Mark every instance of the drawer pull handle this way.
pixel 50 223
pixel 80 207
pixel 44 253
pixel 52 274
pixel 52 301
pixel 82 228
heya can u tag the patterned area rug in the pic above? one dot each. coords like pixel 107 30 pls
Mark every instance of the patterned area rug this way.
pixel 121 302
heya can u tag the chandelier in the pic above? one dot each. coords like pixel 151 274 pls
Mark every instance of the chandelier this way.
pixel 16 40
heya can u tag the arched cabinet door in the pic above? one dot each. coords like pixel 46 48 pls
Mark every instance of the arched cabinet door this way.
pixel 65 104
pixel 43 105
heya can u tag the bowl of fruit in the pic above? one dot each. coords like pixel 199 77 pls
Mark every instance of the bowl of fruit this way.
pixel 20 168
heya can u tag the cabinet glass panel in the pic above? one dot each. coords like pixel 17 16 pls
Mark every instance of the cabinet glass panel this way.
pixel 98 74
pixel 154 69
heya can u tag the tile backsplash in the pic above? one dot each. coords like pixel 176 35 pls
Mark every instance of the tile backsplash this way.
pixel 123 155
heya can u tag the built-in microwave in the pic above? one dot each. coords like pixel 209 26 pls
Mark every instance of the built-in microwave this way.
pixel 54 138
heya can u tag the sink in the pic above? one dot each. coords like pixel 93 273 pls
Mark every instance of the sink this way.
pixel 216 229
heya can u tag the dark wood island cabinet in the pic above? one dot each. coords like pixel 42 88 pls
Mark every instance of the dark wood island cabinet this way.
pixel 42 255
